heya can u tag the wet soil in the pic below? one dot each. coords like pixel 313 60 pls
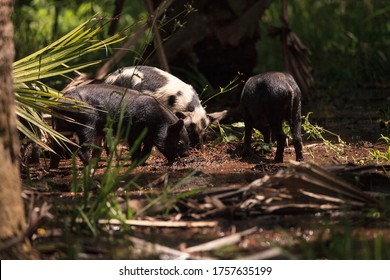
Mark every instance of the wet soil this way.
pixel 219 166
pixel 215 166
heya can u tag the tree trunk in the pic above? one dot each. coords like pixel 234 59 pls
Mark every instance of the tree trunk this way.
pixel 13 244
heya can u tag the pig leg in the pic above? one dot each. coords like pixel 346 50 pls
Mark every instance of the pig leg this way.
pixel 141 152
pixel 277 132
pixel 84 153
pixel 266 134
pixel 54 161
pixel 137 153
pixel 297 139
pixel 59 153
pixel 247 138
pixel 55 157
pixel 97 149
pixel 87 136
pixel 146 150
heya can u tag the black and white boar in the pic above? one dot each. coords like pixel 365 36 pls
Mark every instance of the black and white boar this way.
pixel 176 95
pixel 266 101
pixel 140 111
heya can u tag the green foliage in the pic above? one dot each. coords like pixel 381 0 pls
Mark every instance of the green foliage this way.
pixel 384 115
pixel 317 132
pixel 39 22
pixel 341 242
pixel 235 133
pixel 193 76
pixel 229 132
pixel 233 84
pixel 348 40
pixel 169 199
pixel 116 172
pixel 90 209
pixel 379 156
pixel 33 96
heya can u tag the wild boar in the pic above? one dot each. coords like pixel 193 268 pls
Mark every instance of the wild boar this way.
pixel 100 102
pixel 176 95
pixel 266 101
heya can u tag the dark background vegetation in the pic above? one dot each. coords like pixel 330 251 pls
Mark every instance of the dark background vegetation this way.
pixel 207 43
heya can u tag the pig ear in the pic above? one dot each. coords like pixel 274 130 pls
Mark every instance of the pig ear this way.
pixel 185 116
pixel 176 127
pixel 217 116
pixel 182 115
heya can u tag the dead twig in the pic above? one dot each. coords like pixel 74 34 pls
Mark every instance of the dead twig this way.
pixel 175 224
pixel 106 68
pixel 313 173
pixel 221 242
pixel 264 255
pixel 157 181
pixel 158 44
pixel 154 248
pixel 300 188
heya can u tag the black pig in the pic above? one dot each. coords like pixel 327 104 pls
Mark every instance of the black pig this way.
pixel 140 111
pixel 266 101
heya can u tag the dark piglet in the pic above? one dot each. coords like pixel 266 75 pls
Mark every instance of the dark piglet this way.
pixel 164 129
pixel 266 101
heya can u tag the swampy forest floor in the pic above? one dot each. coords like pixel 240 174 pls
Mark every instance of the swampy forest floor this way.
pixel 217 204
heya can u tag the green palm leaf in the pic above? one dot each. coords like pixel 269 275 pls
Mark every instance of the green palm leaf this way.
pixel 61 57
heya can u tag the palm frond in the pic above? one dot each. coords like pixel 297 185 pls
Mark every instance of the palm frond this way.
pixel 33 97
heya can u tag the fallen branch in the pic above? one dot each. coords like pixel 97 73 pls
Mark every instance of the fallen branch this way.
pixel 300 188
pixel 157 182
pixel 175 224
pixel 327 180
pixel 264 255
pixel 153 248
pixel 221 242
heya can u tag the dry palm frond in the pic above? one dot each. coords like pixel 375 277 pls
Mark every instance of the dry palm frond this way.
pixel 301 188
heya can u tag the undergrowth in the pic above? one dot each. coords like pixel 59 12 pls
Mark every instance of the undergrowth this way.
pixel 380 156
pixel 316 132
pixel 341 240
pixel 99 200
pixel 235 133
pixel 103 203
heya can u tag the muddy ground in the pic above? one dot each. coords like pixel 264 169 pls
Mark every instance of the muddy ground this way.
pixel 219 167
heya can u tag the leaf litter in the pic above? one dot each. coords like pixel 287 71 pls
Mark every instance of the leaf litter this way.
pixel 235 213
